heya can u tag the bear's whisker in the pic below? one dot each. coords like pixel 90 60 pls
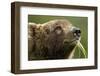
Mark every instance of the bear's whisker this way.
pixel 80 46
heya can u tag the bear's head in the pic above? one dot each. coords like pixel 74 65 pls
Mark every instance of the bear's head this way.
pixel 55 39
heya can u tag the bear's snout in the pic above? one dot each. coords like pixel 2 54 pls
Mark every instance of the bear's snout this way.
pixel 77 32
pixel 55 39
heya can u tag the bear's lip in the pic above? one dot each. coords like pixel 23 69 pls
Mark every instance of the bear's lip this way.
pixel 72 41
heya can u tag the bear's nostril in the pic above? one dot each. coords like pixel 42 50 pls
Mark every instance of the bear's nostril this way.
pixel 77 32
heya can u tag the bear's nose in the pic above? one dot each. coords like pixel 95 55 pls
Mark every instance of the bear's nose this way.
pixel 77 32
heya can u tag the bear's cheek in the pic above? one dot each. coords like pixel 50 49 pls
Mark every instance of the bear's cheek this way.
pixel 69 36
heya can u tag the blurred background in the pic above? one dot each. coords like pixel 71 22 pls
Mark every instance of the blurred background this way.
pixel 80 22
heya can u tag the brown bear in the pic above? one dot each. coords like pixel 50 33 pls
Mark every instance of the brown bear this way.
pixel 55 39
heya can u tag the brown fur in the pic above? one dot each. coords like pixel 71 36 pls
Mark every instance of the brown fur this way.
pixel 51 40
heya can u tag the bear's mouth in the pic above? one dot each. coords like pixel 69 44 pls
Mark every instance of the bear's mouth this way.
pixel 74 41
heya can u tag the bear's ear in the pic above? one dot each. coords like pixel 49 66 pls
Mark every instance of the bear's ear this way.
pixel 47 31
pixel 31 28
pixel 58 30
